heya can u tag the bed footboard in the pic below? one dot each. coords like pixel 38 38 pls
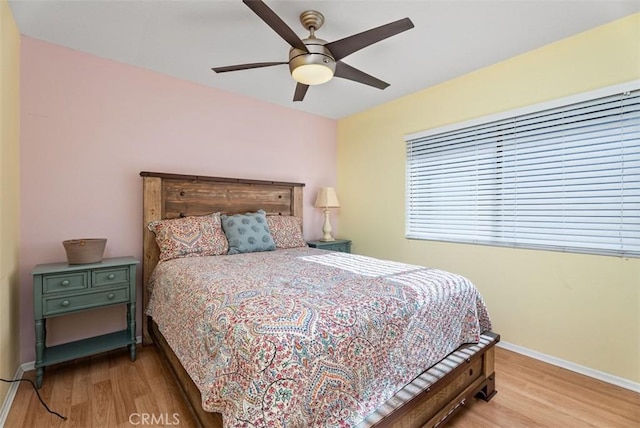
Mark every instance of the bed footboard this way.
pixel 427 402
pixel 441 391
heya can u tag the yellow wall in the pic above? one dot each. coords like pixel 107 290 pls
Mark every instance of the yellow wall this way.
pixel 9 194
pixel 581 308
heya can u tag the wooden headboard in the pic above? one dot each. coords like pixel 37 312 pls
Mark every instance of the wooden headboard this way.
pixel 176 195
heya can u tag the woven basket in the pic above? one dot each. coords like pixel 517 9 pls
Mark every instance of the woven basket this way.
pixel 81 251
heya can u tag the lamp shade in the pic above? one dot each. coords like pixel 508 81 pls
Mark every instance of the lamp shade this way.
pixel 327 198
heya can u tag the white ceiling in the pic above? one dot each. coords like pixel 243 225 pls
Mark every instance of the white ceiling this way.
pixel 185 38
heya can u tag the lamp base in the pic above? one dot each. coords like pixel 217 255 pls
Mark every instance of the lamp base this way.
pixel 326 228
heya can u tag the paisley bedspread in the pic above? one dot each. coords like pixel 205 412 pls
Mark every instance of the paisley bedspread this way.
pixel 308 338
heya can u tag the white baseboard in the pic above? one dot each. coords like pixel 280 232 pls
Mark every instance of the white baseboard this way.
pixel 596 374
pixel 8 401
pixel 13 388
pixel 28 366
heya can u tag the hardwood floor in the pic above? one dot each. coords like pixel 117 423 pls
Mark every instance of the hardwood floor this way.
pixel 536 394
pixel 110 391
pixel 102 391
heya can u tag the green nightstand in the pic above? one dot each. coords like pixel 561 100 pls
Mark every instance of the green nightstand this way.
pixel 342 245
pixel 61 289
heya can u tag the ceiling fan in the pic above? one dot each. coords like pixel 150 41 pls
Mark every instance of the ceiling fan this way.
pixel 314 61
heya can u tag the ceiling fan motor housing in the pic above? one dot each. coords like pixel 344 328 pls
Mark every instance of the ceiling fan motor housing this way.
pixel 318 55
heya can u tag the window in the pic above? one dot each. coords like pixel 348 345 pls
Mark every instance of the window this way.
pixel 565 176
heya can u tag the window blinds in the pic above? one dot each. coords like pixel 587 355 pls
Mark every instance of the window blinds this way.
pixel 563 178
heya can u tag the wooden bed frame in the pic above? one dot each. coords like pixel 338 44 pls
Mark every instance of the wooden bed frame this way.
pixel 176 195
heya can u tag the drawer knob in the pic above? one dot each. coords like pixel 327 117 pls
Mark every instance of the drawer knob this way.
pixel 111 296
pixel 111 276
pixel 65 282
pixel 64 303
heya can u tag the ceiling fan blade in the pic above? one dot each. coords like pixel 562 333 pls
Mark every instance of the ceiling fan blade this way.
pixel 347 72
pixel 245 66
pixel 301 90
pixel 278 25
pixel 343 47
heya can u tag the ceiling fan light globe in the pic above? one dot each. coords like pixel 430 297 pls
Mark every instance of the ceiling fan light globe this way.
pixel 312 74
pixel 314 67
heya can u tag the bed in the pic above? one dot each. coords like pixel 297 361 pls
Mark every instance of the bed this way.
pixel 427 398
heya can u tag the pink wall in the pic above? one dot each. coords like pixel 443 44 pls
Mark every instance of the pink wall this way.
pixel 90 125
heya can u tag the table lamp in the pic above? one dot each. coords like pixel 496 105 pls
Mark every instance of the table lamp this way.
pixel 326 199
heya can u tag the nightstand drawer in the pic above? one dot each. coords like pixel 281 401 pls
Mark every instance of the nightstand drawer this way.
pixel 102 277
pixel 78 302
pixel 336 247
pixel 66 282
pixel 341 245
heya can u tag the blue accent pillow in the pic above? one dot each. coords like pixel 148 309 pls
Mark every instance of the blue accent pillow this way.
pixel 247 233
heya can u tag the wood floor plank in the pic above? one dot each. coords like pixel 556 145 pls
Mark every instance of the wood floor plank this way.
pixel 109 390
pixel 81 382
pixel 79 415
pixel 99 369
pixel 128 385
pixel 103 404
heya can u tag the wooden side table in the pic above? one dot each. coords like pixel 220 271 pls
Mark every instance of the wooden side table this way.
pixel 60 289
pixel 342 245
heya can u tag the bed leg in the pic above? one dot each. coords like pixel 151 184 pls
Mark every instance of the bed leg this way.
pixel 147 337
pixel 489 389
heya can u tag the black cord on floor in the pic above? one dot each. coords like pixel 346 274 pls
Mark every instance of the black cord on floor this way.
pixel 38 394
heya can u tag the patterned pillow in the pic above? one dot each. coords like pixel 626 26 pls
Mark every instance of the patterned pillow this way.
pixel 286 231
pixel 247 233
pixel 189 237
